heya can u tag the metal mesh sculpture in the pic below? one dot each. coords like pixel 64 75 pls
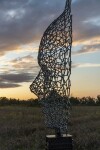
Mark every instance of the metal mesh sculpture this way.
pixel 52 85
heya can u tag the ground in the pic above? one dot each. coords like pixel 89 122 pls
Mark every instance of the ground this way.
pixel 22 128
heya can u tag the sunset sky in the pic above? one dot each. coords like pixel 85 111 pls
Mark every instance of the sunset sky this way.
pixel 22 23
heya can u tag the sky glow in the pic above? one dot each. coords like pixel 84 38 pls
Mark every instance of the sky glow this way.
pixel 21 28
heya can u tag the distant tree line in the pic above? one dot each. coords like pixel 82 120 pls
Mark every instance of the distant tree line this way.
pixel 12 101
pixel 85 101
pixel 75 101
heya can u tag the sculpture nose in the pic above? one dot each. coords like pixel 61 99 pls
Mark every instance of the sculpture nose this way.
pixel 37 87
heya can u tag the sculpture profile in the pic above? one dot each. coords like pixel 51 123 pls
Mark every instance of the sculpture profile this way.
pixel 52 85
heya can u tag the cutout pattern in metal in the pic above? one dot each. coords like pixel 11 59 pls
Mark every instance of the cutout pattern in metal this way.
pixel 52 85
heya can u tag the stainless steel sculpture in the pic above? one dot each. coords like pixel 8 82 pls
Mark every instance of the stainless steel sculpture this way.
pixel 52 85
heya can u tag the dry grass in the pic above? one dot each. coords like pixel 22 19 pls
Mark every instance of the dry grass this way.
pixel 85 128
pixel 22 128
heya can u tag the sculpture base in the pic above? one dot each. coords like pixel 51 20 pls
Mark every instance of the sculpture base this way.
pixel 59 143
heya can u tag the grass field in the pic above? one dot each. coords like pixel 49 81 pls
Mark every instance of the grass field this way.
pixel 22 128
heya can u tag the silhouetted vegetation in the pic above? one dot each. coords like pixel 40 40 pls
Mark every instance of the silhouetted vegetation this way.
pixel 85 101
pixel 75 101
pixel 30 102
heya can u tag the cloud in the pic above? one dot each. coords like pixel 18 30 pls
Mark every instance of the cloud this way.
pixel 19 64
pixel 87 49
pixel 17 71
pixel 94 21
pixel 25 64
pixel 16 78
pixel 83 11
pixel 85 65
pixel 23 22
pixel 8 85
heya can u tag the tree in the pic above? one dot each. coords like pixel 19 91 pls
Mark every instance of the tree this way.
pixel 98 100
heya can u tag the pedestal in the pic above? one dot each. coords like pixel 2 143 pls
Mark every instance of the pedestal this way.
pixel 59 143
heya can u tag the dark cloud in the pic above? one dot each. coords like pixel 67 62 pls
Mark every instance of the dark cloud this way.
pixel 84 10
pixel 16 78
pixel 21 70
pixel 8 85
pixel 24 21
